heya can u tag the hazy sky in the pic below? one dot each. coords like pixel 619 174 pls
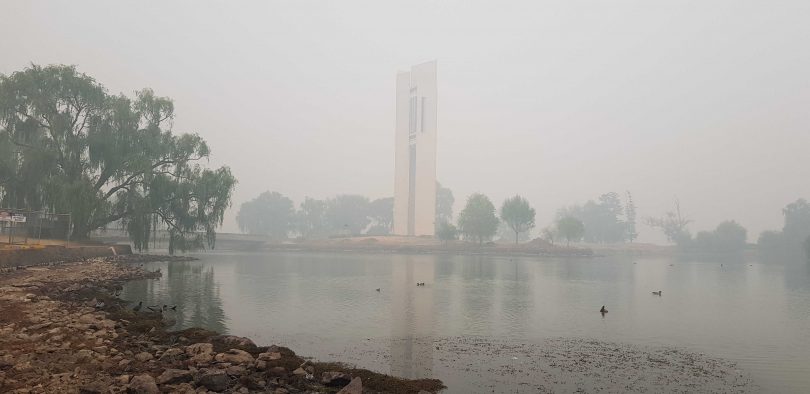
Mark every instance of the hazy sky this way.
pixel 558 101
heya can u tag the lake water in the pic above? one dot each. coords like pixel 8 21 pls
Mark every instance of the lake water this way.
pixel 326 306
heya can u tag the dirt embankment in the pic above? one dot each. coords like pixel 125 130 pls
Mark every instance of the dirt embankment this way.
pixel 63 329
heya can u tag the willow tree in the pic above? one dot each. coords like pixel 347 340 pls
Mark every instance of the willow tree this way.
pixel 105 158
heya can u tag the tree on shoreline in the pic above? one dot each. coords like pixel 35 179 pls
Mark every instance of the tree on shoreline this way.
pixel 446 231
pixel 518 215
pixel 549 234
pixel 729 236
pixel 603 219
pixel 673 224
pixel 381 213
pixel 311 218
pixel 477 221
pixel 105 158
pixel 444 204
pixel 571 229
pixel 347 214
pixel 271 214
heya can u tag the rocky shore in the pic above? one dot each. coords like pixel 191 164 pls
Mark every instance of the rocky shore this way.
pixel 63 329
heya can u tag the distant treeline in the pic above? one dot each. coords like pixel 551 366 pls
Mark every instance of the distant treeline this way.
pixel 276 216
pixel 608 219
pixel 731 236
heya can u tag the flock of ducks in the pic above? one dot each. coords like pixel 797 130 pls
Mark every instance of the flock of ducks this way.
pixel 417 284
pixel 604 310
pixel 154 308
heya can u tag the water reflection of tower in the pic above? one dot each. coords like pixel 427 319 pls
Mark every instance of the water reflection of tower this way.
pixel 412 318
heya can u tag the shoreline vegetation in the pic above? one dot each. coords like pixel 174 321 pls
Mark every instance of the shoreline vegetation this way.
pixel 392 244
pixel 63 329
pixel 418 245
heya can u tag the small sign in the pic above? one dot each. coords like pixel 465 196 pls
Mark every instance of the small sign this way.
pixel 6 216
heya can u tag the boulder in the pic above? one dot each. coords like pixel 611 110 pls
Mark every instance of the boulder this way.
pixel 235 370
pixel 172 354
pixel 174 376
pixel 300 372
pixel 201 353
pixel 143 384
pixel 234 356
pixel 277 371
pixel 183 388
pixel 269 356
pixel 354 387
pixel 84 355
pixel 199 348
pixel 143 356
pixel 235 341
pixel 335 379
pixel 214 380
pixel 93 388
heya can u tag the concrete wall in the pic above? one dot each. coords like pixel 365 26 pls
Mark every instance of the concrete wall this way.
pixel 48 254
pixel 416 127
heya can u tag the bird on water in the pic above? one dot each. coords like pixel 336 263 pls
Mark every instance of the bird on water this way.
pixel 137 308
pixel 658 293
pixel 603 310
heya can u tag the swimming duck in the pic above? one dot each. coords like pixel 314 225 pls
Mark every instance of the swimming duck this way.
pixel 378 289
pixel 658 293
pixel 603 310
pixel 137 308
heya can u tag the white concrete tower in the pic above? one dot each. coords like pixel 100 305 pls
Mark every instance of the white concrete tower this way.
pixel 415 155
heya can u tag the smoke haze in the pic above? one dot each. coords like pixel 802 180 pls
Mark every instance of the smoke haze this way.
pixel 557 101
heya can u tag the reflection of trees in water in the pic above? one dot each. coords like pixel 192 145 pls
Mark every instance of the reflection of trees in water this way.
pixel 191 287
pixel 196 295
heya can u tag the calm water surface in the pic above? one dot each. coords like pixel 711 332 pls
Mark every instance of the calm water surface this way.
pixel 327 306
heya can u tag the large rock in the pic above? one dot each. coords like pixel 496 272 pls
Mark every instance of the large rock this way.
pixel 143 356
pixel 236 370
pixel 84 355
pixel 232 340
pixel 94 388
pixel 277 371
pixel 214 380
pixel 354 387
pixel 300 371
pixel 335 379
pixel 143 384
pixel 199 348
pixel 201 353
pixel 234 356
pixel 174 376
pixel 172 354
pixel 269 356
